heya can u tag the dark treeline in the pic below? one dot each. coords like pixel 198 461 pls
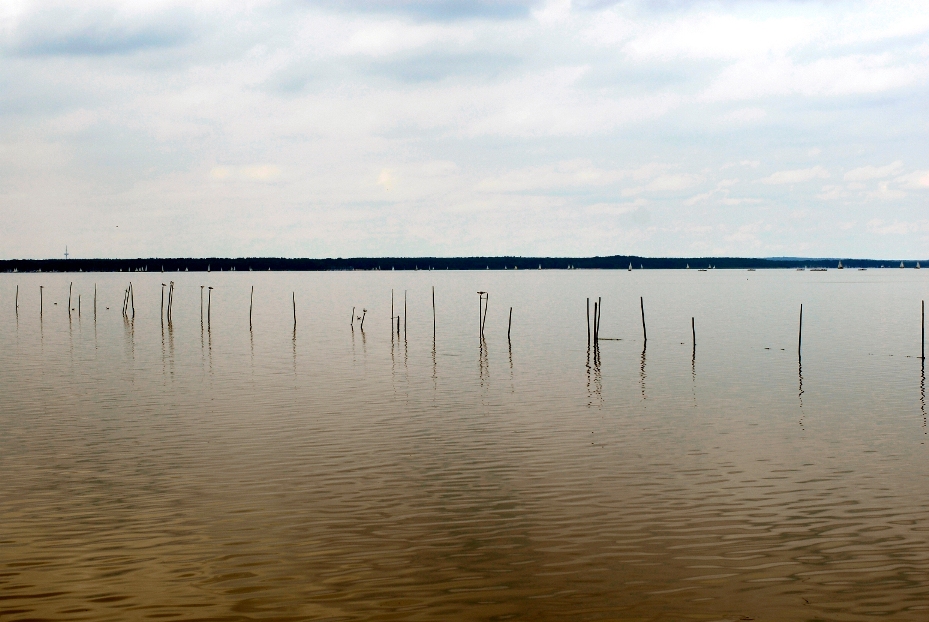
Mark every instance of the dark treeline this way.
pixel 615 262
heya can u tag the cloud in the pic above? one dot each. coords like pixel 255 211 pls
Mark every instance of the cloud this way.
pixel 796 176
pixel 97 29
pixel 881 227
pixel 866 173
pixel 440 10
pixel 855 74
pixel 255 172
pixel 832 193
pixel 917 180
pixel 746 115
pixel 497 126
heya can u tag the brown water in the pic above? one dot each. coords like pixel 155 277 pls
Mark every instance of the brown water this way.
pixel 215 473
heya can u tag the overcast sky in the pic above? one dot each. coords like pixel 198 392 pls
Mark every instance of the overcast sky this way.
pixel 424 127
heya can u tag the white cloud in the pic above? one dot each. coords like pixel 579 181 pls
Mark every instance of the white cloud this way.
pixel 917 180
pixel 866 173
pixel 796 176
pixel 882 227
pixel 746 115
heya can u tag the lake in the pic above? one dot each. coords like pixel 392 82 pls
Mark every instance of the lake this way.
pixel 203 470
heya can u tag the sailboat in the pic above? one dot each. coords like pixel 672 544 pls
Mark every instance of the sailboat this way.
pixel 630 266
pixel 901 264
pixel 917 265
pixel 841 266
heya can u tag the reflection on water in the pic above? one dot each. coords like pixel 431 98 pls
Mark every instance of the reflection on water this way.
pixel 385 476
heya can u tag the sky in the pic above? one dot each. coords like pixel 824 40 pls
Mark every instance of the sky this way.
pixel 331 128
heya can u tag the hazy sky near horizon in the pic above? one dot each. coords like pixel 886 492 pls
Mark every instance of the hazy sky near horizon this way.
pixel 419 127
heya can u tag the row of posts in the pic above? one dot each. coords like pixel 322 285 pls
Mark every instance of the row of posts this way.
pixel 593 321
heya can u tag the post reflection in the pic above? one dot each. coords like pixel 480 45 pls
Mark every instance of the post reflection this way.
pixel 800 380
pixel 922 391
pixel 594 376
pixel 693 373
pixel 483 363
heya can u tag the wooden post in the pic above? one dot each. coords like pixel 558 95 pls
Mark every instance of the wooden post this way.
pixel 69 298
pixel 294 298
pixel 404 314
pixel 642 306
pixel 596 312
pixel 486 304
pixel 588 320
pixel 391 311
pixel 353 318
pixel 209 304
pixel 364 312
pixel 800 335
pixel 132 296
pixel 41 288
pixel 923 351
pixel 79 306
pixel 251 303
pixel 201 304
pixel 433 313
pixel 509 325
pixel 17 300
pixel 693 329
pixel 95 302
pixel 162 302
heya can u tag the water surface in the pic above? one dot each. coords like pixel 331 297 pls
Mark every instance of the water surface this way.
pixel 203 470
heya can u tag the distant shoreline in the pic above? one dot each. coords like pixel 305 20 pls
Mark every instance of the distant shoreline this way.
pixel 280 264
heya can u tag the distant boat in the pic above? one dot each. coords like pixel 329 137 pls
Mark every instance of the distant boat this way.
pixel 751 269
pixel 901 264
pixel 840 266
pixel 702 270
pixel 818 269
pixel 861 269
pixel 630 266
pixel 917 265
pixel 688 266
pixel 800 269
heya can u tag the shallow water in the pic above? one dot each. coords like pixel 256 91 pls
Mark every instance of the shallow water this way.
pixel 212 472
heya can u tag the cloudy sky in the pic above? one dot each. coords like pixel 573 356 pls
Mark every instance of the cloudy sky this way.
pixel 429 127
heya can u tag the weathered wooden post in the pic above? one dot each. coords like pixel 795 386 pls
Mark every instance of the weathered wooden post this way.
pixel 588 320
pixel 800 335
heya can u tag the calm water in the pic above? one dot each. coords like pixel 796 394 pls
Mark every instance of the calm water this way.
pixel 209 472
